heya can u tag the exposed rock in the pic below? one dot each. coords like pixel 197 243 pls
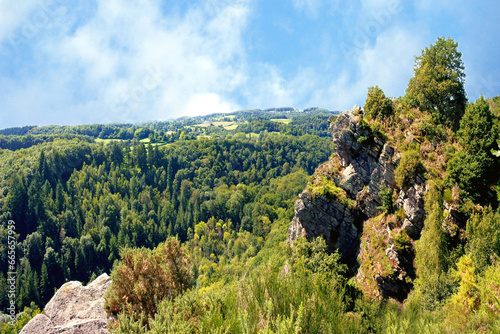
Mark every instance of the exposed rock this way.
pixel 74 309
pixel 323 216
pixel 412 201
pixel 362 165
pixel 365 168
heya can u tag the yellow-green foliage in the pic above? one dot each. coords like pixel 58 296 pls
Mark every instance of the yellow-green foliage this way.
pixel 21 320
pixel 475 307
pixel 323 187
pixel 377 105
pixel 409 167
pixel 433 283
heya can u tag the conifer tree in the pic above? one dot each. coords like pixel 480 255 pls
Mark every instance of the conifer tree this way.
pixel 432 285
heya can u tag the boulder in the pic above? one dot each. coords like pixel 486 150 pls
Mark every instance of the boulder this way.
pixel 74 309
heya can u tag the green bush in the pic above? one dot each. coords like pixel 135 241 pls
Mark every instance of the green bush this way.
pixel 377 105
pixel 409 167
pixel 145 277
pixel 387 197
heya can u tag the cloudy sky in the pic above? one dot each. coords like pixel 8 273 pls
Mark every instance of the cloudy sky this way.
pixel 85 61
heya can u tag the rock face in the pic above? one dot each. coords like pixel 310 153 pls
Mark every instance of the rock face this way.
pixel 366 158
pixel 412 201
pixel 323 216
pixel 74 309
pixel 363 163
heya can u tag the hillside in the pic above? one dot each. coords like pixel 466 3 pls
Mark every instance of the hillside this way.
pixel 380 219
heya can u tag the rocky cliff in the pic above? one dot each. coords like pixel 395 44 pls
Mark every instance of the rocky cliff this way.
pixel 74 309
pixel 342 204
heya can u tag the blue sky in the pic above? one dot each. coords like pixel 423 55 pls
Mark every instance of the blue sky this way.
pixel 83 61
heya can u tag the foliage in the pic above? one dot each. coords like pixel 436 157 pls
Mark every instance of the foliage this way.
pixel 314 258
pixel 21 319
pixel 433 284
pixel 473 167
pixel 144 277
pixel 438 82
pixel 483 238
pixel 408 168
pixel 321 186
pixel 377 105
pixel 387 197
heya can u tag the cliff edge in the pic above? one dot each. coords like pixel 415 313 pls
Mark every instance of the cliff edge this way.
pixel 343 204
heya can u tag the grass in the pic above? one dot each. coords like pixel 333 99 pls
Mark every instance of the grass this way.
pixel 207 124
pixel 231 127
pixel 282 120
pixel 107 141
pixel 145 141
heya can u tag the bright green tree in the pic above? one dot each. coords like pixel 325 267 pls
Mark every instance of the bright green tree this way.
pixel 432 285
pixel 437 85
pixel 377 105
pixel 483 238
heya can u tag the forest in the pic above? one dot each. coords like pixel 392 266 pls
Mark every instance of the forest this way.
pixel 208 202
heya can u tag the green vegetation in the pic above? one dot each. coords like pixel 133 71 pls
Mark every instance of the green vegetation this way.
pixel 438 82
pixel 377 105
pixel 191 217
pixel 408 168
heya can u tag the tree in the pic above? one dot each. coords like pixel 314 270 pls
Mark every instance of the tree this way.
pixel 17 205
pixel 432 285
pixel 116 154
pixel 477 132
pixel 377 105
pixel 483 238
pixel 472 167
pixel 437 85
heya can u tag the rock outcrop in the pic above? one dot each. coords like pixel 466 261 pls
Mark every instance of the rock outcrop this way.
pixel 74 309
pixel 363 164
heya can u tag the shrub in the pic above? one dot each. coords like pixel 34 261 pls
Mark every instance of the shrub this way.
pixel 145 277
pixel 409 167
pixel 386 196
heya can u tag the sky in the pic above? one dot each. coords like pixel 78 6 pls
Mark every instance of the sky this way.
pixel 83 61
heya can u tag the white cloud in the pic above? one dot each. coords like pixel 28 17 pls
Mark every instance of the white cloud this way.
pixel 388 64
pixel 13 14
pixel 204 104
pixel 127 62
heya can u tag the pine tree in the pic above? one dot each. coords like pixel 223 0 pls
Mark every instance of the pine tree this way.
pixel 17 205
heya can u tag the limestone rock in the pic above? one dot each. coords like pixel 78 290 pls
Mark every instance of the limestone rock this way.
pixel 412 201
pixel 74 309
pixel 363 163
pixel 322 216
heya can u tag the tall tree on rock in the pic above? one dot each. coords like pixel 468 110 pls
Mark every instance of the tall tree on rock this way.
pixel 438 82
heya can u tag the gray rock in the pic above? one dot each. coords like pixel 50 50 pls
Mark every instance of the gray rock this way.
pixel 412 201
pixel 74 309
pixel 366 165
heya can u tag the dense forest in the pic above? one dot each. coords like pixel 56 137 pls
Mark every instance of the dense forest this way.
pixel 77 201
pixel 207 203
